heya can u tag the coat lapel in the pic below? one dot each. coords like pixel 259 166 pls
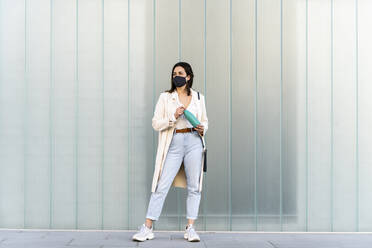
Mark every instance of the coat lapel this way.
pixel 172 103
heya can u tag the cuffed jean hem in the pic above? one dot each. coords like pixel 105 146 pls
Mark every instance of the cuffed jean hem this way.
pixel 191 218
pixel 152 218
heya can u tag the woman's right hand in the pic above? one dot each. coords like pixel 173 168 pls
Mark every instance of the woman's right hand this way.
pixel 179 111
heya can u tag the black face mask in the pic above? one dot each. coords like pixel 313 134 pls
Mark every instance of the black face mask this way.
pixel 179 81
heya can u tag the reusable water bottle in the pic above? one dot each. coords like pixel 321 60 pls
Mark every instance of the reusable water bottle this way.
pixel 191 118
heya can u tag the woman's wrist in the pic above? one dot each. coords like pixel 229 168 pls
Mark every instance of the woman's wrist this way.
pixel 173 118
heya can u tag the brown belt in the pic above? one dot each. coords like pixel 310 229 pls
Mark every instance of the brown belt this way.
pixel 185 130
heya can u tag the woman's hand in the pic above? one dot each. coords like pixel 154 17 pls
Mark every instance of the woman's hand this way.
pixel 179 111
pixel 200 129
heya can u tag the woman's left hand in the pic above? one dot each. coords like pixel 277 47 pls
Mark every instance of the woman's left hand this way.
pixel 200 129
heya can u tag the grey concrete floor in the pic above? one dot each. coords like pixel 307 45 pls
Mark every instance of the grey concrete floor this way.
pixel 163 239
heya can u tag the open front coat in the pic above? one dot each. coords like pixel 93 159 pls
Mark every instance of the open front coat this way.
pixel 163 122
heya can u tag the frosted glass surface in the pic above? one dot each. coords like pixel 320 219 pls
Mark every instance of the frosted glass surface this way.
pixel 287 86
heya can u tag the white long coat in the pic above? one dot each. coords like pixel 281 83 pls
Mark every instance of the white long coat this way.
pixel 162 122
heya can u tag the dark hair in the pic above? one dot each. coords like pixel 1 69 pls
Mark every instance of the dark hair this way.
pixel 188 71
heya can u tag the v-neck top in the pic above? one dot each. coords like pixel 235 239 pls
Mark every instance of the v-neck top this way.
pixel 182 122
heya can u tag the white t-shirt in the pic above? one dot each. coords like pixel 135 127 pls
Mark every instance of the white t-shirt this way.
pixel 182 122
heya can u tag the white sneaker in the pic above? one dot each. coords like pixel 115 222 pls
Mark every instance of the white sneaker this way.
pixel 144 233
pixel 190 234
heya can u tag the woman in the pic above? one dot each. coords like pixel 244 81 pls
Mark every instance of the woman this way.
pixel 179 156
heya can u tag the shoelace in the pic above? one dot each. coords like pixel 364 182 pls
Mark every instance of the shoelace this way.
pixel 192 233
pixel 143 227
pixel 190 229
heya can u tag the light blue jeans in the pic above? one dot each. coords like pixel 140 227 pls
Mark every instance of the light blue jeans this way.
pixel 187 147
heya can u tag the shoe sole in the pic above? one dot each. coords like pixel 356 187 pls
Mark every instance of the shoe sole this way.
pixel 192 240
pixel 147 238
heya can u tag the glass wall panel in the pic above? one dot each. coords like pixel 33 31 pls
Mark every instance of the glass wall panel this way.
pixel 287 89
